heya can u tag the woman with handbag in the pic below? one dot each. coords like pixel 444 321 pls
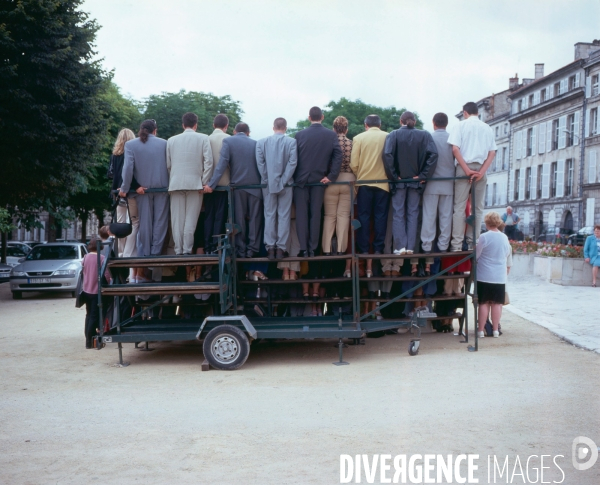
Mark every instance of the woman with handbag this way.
pixel 494 258
pixel 591 252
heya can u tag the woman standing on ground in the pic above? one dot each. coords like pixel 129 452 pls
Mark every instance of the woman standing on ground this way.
pixel 493 253
pixel 591 252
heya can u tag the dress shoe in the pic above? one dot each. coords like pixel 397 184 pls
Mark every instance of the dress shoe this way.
pixel 385 294
pixel 395 273
pixel 280 254
pixel 303 254
pixel 271 253
pixel 311 254
pixel 387 273
pixel 250 253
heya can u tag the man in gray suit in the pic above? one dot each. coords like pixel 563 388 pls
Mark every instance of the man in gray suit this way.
pixel 438 197
pixel 277 157
pixel 189 161
pixel 239 154
pixel 146 160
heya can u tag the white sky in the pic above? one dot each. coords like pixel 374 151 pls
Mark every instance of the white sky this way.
pixel 279 58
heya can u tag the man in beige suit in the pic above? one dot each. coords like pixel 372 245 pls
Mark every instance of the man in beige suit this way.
pixel 216 203
pixel 190 163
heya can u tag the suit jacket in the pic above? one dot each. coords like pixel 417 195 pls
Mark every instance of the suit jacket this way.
pixel 409 153
pixel 277 157
pixel 216 142
pixel 189 160
pixel 239 154
pixel 319 155
pixel 147 162
pixel 444 167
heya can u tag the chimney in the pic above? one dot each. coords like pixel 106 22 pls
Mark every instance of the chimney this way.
pixel 584 49
pixel 513 82
pixel 539 71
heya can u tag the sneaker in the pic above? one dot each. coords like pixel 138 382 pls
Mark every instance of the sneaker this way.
pixel 481 334
pixel 400 251
pixel 496 334
pixel 409 251
pixel 176 299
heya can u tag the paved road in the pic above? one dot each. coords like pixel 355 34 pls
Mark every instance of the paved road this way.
pixel 68 417
pixel 571 312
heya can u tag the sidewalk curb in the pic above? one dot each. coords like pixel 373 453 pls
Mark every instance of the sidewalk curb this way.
pixel 565 335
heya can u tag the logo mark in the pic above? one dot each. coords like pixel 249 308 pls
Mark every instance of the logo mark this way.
pixel 584 453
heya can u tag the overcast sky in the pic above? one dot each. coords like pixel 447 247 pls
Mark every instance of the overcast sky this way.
pixel 279 58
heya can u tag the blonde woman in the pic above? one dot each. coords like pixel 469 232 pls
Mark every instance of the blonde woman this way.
pixel 337 197
pixel 127 244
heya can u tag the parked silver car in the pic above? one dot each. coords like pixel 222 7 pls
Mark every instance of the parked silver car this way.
pixel 49 267
pixel 5 270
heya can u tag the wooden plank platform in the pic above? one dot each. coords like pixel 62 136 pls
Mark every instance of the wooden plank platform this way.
pixel 162 261
pixel 160 289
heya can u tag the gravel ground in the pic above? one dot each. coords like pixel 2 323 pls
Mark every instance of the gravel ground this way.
pixel 68 416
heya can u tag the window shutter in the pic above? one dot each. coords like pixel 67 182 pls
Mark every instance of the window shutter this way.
pixel 560 178
pixel 562 136
pixel 577 78
pixel 533 139
pixel 592 168
pixel 587 125
pixel 524 143
pixel 551 91
pixel 576 129
pixel 525 103
pixel 533 191
pixel 542 138
pixel 536 97
pixel 563 86
pixel 588 87
pixel 522 174
pixel 511 186
pixel 517 145
pixel 546 180
pixel 589 211
pixel 549 136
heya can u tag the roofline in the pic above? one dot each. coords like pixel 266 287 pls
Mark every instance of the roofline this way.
pixel 552 75
pixel 546 104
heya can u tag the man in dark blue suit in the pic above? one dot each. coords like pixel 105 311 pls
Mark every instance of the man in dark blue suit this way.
pixel 239 154
pixel 319 160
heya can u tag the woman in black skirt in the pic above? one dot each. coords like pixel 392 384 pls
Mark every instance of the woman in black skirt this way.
pixel 494 258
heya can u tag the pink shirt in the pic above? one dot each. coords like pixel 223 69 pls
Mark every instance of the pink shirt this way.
pixel 90 273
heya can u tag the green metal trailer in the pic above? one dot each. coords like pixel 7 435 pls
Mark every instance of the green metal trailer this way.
pixel 225 325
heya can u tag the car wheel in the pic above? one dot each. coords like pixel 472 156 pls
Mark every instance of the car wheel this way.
pixel 226 347
pixel 17 295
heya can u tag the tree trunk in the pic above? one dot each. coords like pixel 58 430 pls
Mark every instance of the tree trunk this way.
pixel 84 221
pixel 4 245
pixel 51 228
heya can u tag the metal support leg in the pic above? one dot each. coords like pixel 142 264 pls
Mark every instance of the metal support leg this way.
pixel 341 361
pixel 146 348
pixel 121 363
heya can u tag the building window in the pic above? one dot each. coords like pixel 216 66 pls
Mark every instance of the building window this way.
pixel 570 129
pixel 571 83
pixel 555 134
pixel 595 81
pixel 543 95
pixel 530 100
pixel 569 181
pixel 539 181
pixel 497 128
pixel 487 195
pixel 554 178
pixel 528 183
pixel 520 105
pixel 504 159
pixel 557 89
pixel 494 195
pixel 517 180
pixel 505 128
pixel 529 142
pixel 593 121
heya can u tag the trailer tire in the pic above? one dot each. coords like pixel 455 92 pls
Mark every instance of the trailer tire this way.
pixel 17 295
pixel 413 348
pixel 226 347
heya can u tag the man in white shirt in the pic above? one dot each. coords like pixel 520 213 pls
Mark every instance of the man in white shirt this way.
pixel 474 148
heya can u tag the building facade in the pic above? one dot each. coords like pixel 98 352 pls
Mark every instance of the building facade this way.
pixel 591 172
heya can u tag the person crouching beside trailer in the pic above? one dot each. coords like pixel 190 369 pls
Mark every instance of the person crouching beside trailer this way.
pixel 494 258
pixel 90 291
pixel 276 158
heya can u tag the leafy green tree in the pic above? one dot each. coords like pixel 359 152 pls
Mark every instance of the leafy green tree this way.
pixel 356 112
pixel 51 116
pixel 168 108
pixel 6 225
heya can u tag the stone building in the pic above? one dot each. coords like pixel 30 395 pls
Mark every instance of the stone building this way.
pixel 591 172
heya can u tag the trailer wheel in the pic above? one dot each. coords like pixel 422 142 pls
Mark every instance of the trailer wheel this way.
pixel 413 347
pixel 226 347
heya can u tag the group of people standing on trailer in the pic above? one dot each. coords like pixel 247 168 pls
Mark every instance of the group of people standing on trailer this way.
pixel 293 196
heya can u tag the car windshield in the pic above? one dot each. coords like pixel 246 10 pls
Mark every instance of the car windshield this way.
pixel 40 253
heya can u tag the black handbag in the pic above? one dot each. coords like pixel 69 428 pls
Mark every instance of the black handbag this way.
pixel 79 296
pixel 120 229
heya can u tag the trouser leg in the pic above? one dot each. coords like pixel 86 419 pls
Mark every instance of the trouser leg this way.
pixel 330 204
pixel 160 222
pixel 316 205
pixel 381 204
pixel 209 219
pixel 178 212
pixel 284 215
pixel 130 241
pixel 461 194
pixel 145 213
pixel 364 201
pixel 121 217
pixel 412 217
pixel 428 228
pixel 92 315
pixel 399 225
pixel 270 203
pixel 256 220
pixel 193 205
pixel 445 205
pixel 389 264
pixel 343 218
pixel 240 199
pixel 479 188
pixel 301 201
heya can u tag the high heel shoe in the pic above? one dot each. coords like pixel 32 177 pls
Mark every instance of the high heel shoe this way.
pixel 259 275
pixel 305 296
pixel 315 296
pixel 347 274
pixel 369 273
pixel 293 276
